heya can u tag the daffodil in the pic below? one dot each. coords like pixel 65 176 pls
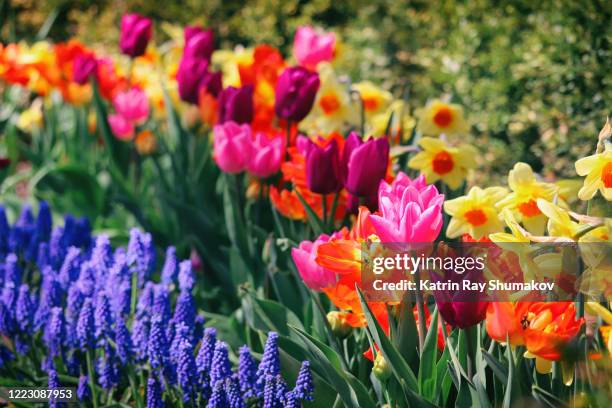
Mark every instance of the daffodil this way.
pixel 375 100
pixel 598 171
pixel 395 120
pixel 559 222
pixel 333 108
pixel 475 213
pixel 230 63
pixel 522 201
pixel 440 161
pixel 439 117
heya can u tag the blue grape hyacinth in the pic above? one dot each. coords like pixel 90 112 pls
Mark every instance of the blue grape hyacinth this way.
pixel 104 319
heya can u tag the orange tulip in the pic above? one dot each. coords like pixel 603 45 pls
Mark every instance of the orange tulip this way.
pixel 544 328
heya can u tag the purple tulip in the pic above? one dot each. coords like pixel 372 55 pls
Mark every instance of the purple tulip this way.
pixel 295 93
pixel 136 32
pixel 236 104
pixel 323 168
pixel 199 43
pixel 189 76
pixel 364 165
pixel 85 65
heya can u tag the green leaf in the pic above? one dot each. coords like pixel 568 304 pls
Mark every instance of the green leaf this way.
pixel 313 219
pixel 117 151
pixel 427 373
pixel 499 370
pixel 400 368
pixel 268 315
pixel 352 392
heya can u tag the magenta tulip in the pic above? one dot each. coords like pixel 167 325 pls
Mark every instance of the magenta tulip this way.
pixel 133 105
pixel 236 104
pixel 199 43
pixel 85 66
pixel 232 146
pixel 364 164
pixel 136 32
pixel 411 211
pixel 295 93
pixel 189 76
pixel 311 47
pixel 304 256
pixel 323 168
pixel 267 155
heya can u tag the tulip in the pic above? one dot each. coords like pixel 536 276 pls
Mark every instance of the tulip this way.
pixel 411 211
pixel 310 48
pixel 268 154
pixel 295 93
pixel 136 32
pixel 232 146
pixel 364 164
pixel 4 162
pixel 133 105
pixel 193 76
pixel 122 128
pixel 315 276
pixel 85 65
pixel 322 168
pixel 462 308
pixel 199 43
pixel 236 104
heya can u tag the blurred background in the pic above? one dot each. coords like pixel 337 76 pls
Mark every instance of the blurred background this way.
pixel 533 76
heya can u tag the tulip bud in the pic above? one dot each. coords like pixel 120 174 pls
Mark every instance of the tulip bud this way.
pixel 84 66
pixel 136 32
pixel 236 104
pixel 381 369
pixel 295 93
pixel 323 168
pixel 338 324
pixel 364 164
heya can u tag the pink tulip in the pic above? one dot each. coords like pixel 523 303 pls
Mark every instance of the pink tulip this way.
pixel 232 146
pixel 411 211
pixel 315 277
pixel 122 128
pixel 133 105
pixel 311 47
pixel 267 155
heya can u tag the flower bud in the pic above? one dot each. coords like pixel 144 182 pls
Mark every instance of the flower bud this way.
pixel 338 324
pixel 136 32
pixel 381 368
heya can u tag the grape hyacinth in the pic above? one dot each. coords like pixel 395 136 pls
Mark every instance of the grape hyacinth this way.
pixel 72 310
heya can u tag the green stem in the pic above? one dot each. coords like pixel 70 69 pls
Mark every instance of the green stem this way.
pixel 92 378
pixel 135 392
pixel 324 196
pixel 420 310
pixel 134 295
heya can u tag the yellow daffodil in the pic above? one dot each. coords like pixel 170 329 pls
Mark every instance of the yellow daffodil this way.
pixel 559 222
pixel 332 109
pixel 230 61
pixel 596 253
pixel 568 189
pixel 523 199
pixel 401 121
pixel 439 117
pixel 475 213
pixel 375 100
pixel 439 161
pixel 598 171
